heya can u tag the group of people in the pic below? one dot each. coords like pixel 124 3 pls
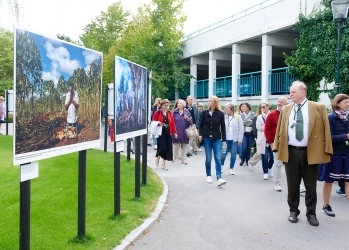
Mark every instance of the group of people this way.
pixel 311 144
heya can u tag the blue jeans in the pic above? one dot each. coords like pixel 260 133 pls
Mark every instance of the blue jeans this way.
pixel 215 146
pixel 240 150
pixel 247 142
pixel 233 145
pixel 267 160
pixel 155 141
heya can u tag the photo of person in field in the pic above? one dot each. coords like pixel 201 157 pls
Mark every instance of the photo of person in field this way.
pixel 58 93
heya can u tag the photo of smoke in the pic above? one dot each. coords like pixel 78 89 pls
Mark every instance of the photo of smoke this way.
pixel 130 99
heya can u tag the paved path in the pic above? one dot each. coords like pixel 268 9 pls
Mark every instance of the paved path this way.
pixel 244 214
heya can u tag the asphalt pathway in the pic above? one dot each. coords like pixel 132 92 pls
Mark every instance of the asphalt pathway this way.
pixel 246 213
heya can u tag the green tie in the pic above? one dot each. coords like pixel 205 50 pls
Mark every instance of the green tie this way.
pixel 299 124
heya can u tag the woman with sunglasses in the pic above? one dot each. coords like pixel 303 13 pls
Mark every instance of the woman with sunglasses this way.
pixel 263 147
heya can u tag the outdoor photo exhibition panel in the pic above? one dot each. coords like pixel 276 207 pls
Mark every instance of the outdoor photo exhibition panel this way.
pixel 130 99
pixel 57 88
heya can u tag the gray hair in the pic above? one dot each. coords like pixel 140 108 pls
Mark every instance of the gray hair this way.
pixel 301 84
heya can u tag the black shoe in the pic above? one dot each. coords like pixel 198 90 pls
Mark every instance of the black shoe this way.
pixel 189 154
pixel 328 211
pixel 195 152
pixel 293 218
pixel 313 220
pixel 241 163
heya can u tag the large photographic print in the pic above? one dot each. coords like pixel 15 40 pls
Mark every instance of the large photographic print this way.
pixel 131 99
pixel 57 97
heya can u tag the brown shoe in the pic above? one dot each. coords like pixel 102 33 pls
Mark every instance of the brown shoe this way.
pixel 313 220
pixel 293 218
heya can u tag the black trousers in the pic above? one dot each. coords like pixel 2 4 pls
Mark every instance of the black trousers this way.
pixel 297 169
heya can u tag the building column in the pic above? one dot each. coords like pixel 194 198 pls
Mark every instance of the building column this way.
pixel 176 95
pixel 235 71
pixel 212 68
pixel 267 57
pixel 193 72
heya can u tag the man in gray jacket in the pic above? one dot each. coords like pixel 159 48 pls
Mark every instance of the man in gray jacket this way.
pixel 195 116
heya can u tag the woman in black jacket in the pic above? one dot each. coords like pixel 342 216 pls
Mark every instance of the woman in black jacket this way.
pixel 212 132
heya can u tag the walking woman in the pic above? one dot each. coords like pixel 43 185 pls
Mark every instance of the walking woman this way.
pixel 234 134
pixel 212 132
pixel 263 147
pixel 165 119
pixel 248 139
pixel 338 168
pixel 182 120
pixel 153 110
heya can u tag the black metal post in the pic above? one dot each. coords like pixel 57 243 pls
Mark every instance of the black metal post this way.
pixel 144 159
pixel 82 194
pixel 106 118
pixel 6 96
pixel 128 149
pixel 137 167
pixel 24 216
pixel 338 77
pixel 117 205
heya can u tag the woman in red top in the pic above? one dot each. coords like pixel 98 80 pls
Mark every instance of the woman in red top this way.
pixel 165 119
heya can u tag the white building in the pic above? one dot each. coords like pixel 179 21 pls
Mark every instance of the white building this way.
pixel 240 59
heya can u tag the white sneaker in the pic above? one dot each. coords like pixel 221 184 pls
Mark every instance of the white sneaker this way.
pixel 231 172
pixel 222 171
pixel 208 179
pixel 155 147
pixel 199 149
pixel 221 182
pixel 250 166
pixel 277 187
pixel 302 189
pixel 265 176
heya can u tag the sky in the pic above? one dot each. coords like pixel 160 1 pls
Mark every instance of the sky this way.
pixel 69 17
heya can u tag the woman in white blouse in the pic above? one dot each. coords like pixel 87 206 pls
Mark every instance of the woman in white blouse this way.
pixel 263 147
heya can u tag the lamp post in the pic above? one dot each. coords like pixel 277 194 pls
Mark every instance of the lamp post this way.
pixel 340 13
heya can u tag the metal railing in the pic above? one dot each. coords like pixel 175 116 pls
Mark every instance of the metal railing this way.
pixel 232 18
pixel 222 86
pixel 201 89
pixel 249 84
pixel 279 81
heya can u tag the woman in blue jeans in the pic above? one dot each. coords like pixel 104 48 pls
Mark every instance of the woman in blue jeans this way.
pixel 212 133
pixel 263 147
pixel 248 139
pixel 234 129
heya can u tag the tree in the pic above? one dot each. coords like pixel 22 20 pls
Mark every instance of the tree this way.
pixel 6 61
pixel 153 39
pixel 316 56
pixel 68 39
pixel 105 30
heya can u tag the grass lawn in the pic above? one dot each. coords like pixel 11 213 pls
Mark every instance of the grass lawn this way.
pixel 54 201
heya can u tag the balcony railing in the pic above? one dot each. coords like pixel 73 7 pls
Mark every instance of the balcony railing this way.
pixel 245 12
pixel 249 84
pixel 201 89
pixel 222 86
pixel 280 81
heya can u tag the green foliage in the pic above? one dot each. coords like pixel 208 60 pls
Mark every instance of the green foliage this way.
pixel 54 196
pixel 6 61
pixel 316 55
pixel 153 39
pixel 68 39
pixel 105 29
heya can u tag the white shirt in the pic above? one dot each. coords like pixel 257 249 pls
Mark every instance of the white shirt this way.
pixel 72 117
pixel 234 128
pixel 292 121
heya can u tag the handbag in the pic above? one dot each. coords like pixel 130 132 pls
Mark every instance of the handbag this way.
pixel 191 131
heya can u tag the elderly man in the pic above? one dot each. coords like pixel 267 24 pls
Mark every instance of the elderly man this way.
pixel 302 141
pixel 269 131
pixel 195 116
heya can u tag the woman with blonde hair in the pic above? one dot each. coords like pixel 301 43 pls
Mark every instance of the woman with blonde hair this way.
pixel 263 147
pixel 165 119
pixel 212 133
